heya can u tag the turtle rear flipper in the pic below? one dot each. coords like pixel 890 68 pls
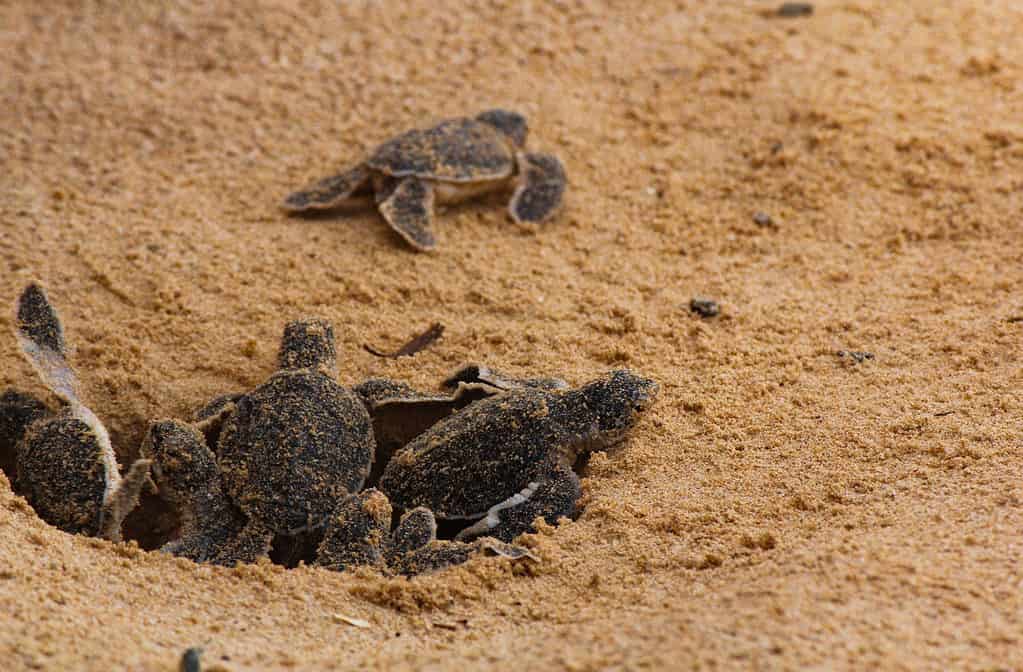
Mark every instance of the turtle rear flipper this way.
pixel 541 186
pixel 123 500
pixel 408 208
pixel 330 192
pixel 551 498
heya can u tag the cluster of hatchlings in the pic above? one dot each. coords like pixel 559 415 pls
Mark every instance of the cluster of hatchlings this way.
pixel 490 455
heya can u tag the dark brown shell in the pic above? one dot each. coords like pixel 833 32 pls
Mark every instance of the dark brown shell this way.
pixel 456 150
pixel 62 475
pixel 18 410
pixel 295 447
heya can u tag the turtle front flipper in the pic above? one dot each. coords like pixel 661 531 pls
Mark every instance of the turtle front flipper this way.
pixel 330 192
pixel 123 500
pixel 541 186
pixel 408 208
pixel 416 529
pixel 432 557
pixel 41 337
pixel 551 497
pixel 356 532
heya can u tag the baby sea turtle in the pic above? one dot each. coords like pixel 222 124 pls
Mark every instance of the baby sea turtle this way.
pixel 66 467
pixel 506 459
pixel 299 443
pixel 401 413
pixel 213 529
pixel 287 453
pixel 452 161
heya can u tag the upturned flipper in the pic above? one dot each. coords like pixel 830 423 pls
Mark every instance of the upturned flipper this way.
pixel 123 499
pixel 408 208
pixel 41 337
pixel 76 437
pixel 329 192
pixel 541 186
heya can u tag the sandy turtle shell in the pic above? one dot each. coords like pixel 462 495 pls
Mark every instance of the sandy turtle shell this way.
pixel 299 443
pixel 455 150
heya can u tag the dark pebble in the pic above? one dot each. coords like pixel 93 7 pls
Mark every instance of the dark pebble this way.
pixel 795 9
pixel 855 355
pixel 704 307
pixel 190 660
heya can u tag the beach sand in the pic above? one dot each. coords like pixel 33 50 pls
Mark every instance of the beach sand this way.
pixel 780 507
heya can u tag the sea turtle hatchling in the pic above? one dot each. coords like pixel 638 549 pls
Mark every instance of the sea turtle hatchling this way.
pixel 401 413
pixel 452 161
pixel 212 528
pixel 504 460
pixel 66 467
pixel 287 453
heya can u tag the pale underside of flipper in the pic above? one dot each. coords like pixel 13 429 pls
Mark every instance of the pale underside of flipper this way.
pixel 123 499
pixel 331 192
pixel 41 337
pixel 541 187
pixel 408 208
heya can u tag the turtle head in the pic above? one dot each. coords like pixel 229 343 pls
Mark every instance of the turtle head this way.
pixel 182 464
pixel 511 124
pixel 308 344
pixel 616 401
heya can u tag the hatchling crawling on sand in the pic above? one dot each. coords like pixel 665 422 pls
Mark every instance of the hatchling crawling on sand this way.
pixel 288 452
pixel 455 160
pixel 502 461
pixel 66 467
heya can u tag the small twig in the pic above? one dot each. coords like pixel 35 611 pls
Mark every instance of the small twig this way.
pixel 418 343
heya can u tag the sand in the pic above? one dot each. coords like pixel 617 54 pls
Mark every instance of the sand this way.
pixel 780 507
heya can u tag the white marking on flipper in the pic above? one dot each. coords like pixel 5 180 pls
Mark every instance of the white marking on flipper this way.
pixel 493 517
pixel 51 367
